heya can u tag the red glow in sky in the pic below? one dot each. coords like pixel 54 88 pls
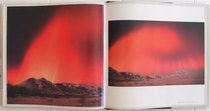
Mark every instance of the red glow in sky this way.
pixel 155 50
pixel 68 49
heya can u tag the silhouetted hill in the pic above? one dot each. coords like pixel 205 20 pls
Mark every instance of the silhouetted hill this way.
pixel 114 75
pixel 177 77
pixel 43 87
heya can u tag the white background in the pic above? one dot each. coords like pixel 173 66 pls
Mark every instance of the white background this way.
pixel 65 1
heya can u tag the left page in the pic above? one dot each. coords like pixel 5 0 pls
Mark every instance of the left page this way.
pixel 53 55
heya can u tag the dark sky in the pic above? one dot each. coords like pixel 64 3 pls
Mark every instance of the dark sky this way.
pixel 154 47
pixel 23 23
pixel 63 44
pixel 119 28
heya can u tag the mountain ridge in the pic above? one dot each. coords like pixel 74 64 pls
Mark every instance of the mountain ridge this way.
pixel 114 75
pixel 44 87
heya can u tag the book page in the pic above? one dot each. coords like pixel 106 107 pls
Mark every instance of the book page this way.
pixel 157 56
pixel 53 55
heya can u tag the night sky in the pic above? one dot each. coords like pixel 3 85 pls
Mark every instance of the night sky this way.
pixel 23 24
pixel 154 47
pixel 60 43
pixel 121 27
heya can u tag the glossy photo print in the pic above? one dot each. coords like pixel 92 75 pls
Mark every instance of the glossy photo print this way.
pixel 154 53
pixel 55 55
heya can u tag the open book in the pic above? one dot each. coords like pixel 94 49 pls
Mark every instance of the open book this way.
pixel 96 55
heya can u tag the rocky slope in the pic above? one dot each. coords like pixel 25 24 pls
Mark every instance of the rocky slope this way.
pixel 43 87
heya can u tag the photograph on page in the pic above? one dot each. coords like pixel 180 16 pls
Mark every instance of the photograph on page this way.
pixel 154 53
pixel 54 55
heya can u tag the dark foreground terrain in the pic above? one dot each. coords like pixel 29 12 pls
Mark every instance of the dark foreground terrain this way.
pixel 62 101
pixel 180 77
pixel 43 92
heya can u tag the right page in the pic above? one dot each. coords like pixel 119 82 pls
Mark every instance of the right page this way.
pixel 157 55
